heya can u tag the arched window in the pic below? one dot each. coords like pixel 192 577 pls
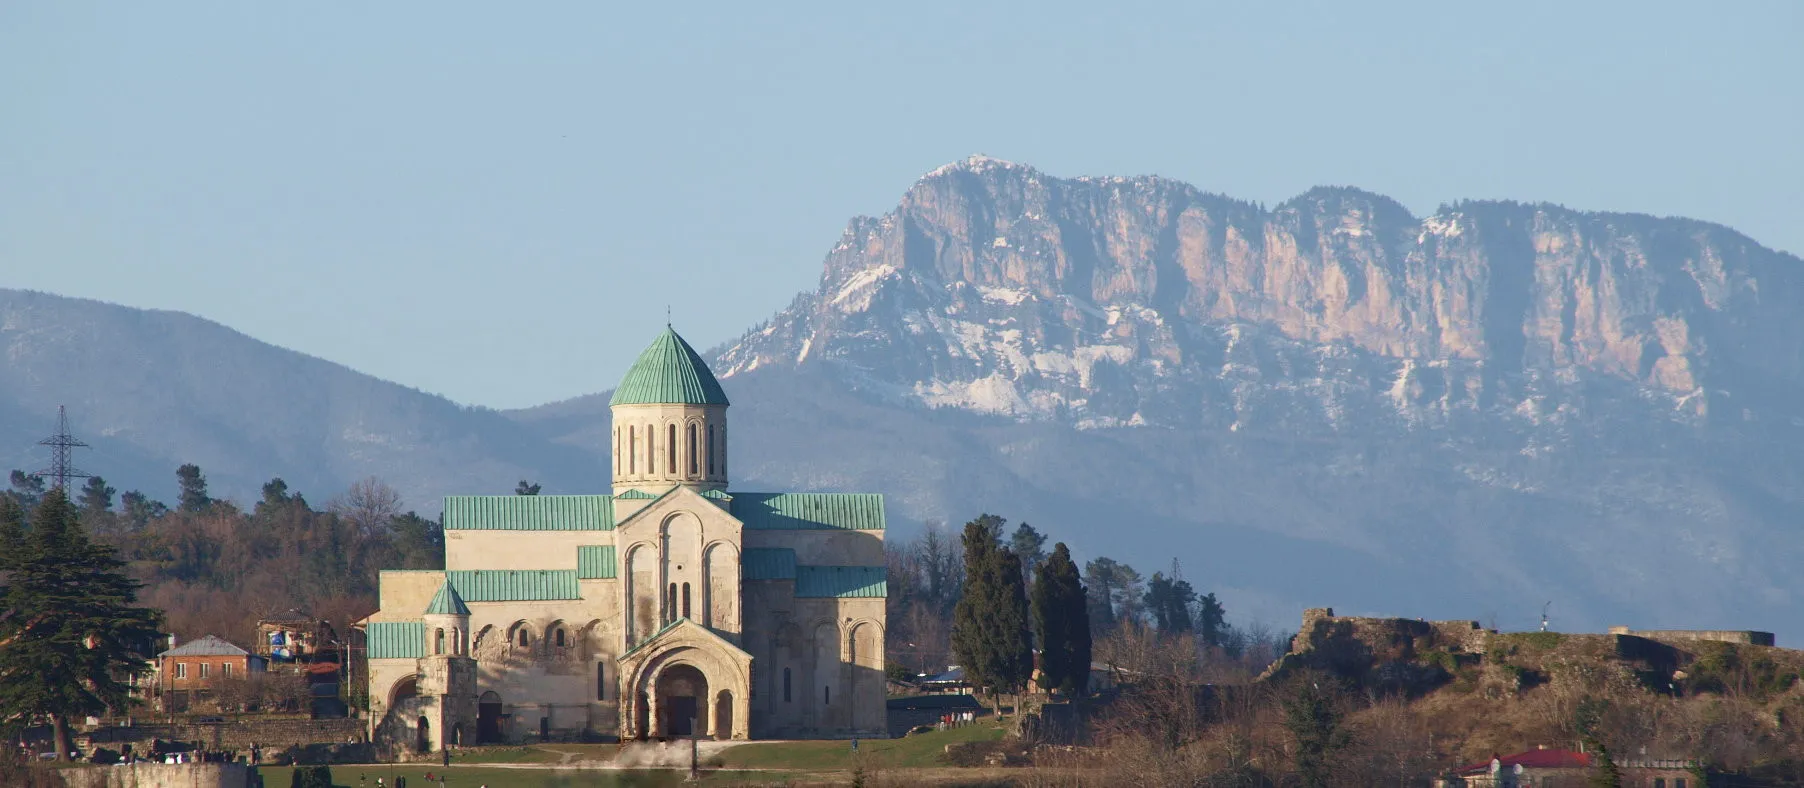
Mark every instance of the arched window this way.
pixel 685 600
pixel 457 641
pixel 438 641
pixel 671 450
pixel 632 449
pixel 651 449
pixel 616 450
pixel 786 685
pixel 670 605
pixel 826 696
pixel 694 453
pixel 710 450
pixel 523 640
pixel 601 681
pixel 559 637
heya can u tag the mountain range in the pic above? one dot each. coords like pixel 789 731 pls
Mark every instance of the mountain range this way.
pixel 1330 401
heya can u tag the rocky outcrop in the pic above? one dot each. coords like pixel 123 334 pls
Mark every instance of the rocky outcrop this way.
pixel 994 287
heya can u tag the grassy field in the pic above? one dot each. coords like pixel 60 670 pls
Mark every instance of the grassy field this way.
pixel 364 776
pixel 912 752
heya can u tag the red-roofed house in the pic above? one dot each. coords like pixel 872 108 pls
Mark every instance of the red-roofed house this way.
pixel 1546 767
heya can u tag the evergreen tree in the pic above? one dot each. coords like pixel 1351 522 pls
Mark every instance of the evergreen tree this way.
pixel 1099 574
pixel 139 509
pixel 275 495
pixel 526 488
pixel 1062 624
pixel 1169 601
pixel 1030 545
pixel 1314 722
pixel 194 488
pixel 1211 620
pixel 419 541
pixel 70 631
pixel 990 631
pixel 28 489
pixel 96 496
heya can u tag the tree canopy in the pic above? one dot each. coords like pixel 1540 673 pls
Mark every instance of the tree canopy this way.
pixel 71 631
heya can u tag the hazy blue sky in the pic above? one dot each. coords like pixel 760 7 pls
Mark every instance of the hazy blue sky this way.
pixel 496 201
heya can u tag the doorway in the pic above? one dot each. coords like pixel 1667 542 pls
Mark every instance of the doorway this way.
pixel 424 743
pixel 488 719
pixel 682 701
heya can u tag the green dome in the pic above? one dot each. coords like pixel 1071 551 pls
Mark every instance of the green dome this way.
pixel 447 602
pixel 669 372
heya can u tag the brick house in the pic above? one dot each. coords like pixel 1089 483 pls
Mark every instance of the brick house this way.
pixel 189 672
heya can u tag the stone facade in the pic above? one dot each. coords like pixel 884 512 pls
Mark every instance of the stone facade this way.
pixel 670 607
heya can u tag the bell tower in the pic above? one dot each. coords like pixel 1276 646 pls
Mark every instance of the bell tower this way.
pixel 670 422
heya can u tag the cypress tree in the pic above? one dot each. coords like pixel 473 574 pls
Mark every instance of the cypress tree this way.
pixel 1062 623
pixel 990 633
pixel 70 632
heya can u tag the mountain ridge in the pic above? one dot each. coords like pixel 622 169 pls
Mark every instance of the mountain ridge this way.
pixel 1328 401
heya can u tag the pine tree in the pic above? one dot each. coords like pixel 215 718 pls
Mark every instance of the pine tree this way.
pixel 1211 619
pixel 96 496
pixel 1030 545
pixel 1062 625
pixel 28 489
pixel 1169 601
pixel 526 488
pixel 194 488
pixel 990 631
pixel 139 509
pixel 70 632
pixel 1313 721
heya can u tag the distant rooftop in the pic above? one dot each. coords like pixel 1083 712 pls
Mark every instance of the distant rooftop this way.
pixel 208 646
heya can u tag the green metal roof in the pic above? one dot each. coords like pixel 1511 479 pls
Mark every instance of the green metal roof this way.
pixel 635 495
pixel 596 562
pixel 809 511
pixel 768 563
pixel 842 581
pixel 716 495
pixel 515 585
pixel 396 640
pixel 447 602
pixel 529 513
pixel 669 372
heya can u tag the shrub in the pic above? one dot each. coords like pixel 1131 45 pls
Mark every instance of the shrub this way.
pixel 312 777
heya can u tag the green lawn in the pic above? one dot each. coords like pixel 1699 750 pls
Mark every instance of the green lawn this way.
pixel 364 776
pixel 912 752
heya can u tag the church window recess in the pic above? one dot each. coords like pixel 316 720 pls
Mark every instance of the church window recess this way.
pixel 710 450
pixel 559 638
pixel 685 600
pixel 670 604
pixel 632 449
pixel 786 685
pixel 826 696
pixel 601 681
pixel 438 641
pixel 522 638
pixel 671 451
pixel 694 455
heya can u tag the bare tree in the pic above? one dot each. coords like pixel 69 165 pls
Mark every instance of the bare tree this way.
pixel 369 504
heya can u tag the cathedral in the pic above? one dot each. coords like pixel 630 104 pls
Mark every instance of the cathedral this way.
pixel 672 606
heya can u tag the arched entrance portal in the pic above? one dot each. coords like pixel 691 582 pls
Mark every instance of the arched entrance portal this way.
pixel 488 718
pixel 682 701
pixel 424 741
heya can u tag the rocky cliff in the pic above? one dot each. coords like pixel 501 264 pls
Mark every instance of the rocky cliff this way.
pixel 1105 301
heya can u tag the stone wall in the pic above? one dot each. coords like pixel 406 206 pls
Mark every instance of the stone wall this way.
pixel 162 775
pixel 271 735
pixel 1744 637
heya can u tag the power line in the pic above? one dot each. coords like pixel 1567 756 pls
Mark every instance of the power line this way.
pixel 62 445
